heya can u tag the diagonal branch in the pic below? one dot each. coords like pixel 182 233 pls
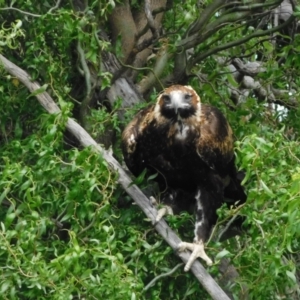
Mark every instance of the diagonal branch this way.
pixel 141 200
pixel 208 12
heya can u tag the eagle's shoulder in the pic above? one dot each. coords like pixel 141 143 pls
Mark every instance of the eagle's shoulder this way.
pixel 215 143
pixel 214 124
pixel 146 141
pixel 137 125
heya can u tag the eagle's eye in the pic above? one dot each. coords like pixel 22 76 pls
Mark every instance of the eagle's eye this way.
pixel 187 96
pixel 166 98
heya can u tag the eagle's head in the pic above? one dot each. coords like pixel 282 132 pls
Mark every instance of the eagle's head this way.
pixel 177 103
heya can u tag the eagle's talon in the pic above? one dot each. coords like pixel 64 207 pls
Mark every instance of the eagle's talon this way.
pixel 197 251
pixel 164 211
pixel 153 201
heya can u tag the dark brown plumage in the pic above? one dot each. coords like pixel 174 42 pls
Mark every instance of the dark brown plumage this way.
pixel 190 146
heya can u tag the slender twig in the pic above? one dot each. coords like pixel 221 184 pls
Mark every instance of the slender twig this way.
pixel 293 155
pixel 153 281
pixel 226 228
pixel 92 221
pixel 56 6
pixel 149 80
pixel 201 79
pixel 21 11
pixel 254 6
pixel 57 220
pixel 143 69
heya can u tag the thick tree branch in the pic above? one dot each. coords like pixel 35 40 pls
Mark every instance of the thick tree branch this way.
pixel 150 19
pixel 121 86
pixel 142 201
pixel 123 27
pixel 161 61
pixel 205 16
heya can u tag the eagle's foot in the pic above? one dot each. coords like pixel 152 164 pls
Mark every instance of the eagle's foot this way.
pixel 164 211
pixel 153 201
pixel 197 251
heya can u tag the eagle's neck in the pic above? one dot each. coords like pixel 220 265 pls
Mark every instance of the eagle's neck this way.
pixel 182 130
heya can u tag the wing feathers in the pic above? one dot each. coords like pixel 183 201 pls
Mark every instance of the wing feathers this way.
pixel 215 145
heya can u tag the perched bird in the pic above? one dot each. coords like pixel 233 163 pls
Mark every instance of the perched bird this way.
pixel 190 146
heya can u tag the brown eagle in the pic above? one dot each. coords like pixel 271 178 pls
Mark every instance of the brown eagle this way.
pixel 190 146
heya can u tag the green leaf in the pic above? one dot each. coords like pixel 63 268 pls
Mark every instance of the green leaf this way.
pixel 232 81
pixel 266 189
pixel 38 91
pixel 291 276
pixel 222 254
pixel 133 296
pixel 5 286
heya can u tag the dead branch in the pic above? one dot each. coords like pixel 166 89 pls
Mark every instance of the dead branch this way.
pixel 141 200
pixel 244 74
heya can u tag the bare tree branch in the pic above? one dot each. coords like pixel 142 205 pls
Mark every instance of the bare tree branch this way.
pixel 142 201
pixel 244 75
pixel 202 29
pixel 209 11
pixel 161 61
pixel 123 27
pixel 150 19
pixel 255 6
pixel 240 41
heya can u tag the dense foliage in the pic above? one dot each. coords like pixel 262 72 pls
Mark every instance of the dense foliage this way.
pixel 67 230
